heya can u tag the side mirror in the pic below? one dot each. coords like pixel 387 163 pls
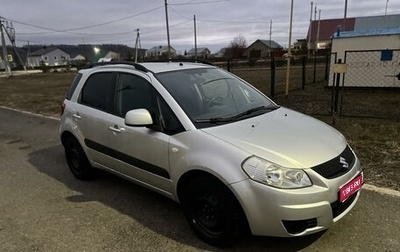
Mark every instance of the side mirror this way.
pixel 138 118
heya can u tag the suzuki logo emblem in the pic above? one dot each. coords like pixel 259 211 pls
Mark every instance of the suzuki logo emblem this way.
pixel 343 162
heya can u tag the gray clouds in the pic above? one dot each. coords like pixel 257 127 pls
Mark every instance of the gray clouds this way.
pixel 218 21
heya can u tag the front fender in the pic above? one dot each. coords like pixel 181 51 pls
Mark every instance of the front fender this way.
pixel 196 150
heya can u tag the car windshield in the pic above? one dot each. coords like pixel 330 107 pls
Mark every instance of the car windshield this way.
pixel 212 96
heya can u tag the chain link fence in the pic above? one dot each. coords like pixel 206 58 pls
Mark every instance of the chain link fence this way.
pixel 370 87
pixel 372 69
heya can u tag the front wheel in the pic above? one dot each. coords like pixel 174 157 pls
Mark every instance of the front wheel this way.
pixel 77 160
pixel 212 211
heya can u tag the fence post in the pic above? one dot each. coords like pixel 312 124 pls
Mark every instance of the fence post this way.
pixel 328 59
pixel 229 65
pixel 273 68
pixel 303 72
pixel 335 89
pixel 315 66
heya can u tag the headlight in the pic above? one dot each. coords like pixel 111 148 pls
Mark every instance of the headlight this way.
pixel 274 175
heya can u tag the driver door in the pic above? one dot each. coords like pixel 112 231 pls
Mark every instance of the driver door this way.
pixel 142 152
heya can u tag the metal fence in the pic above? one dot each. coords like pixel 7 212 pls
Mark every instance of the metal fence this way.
pixel 370 87
pixel 270 75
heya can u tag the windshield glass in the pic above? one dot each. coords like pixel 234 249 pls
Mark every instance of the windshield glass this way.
pixel 211 95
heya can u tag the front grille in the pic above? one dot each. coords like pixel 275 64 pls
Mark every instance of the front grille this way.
pixel 336 166
pixel 339 207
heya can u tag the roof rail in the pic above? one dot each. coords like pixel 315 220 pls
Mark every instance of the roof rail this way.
pixel 206 62
pixel 136 65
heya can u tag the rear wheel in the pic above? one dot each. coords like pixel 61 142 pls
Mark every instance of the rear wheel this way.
pixel 77 160
pixel 212 211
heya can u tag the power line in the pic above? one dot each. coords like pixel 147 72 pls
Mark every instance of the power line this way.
pixel 84 27
pixel 193 3
pixel 231 22
pixel 79 33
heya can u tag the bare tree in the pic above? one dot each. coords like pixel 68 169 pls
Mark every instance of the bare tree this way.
pixel 237 47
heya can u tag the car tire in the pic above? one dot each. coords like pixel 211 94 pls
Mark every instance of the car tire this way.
pixel 212 211
pixel 77 160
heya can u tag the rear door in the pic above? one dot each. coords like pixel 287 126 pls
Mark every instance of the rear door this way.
pixel 91 115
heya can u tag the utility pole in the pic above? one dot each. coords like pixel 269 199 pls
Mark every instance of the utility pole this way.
pixel 270 38
pixel 7 68
pixel 289 50
pixel 10 31
pixel 166 18
pixel 137 44
pixel 27 55
pixel 315 12
pixel 387 3
pixel 310 31
pixel 345 15
pixel 319 25
pixel 195 38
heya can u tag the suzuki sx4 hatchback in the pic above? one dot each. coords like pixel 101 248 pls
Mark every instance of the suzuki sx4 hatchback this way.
pixel 203 137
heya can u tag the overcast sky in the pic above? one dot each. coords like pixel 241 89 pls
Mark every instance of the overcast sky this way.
pixel 218 21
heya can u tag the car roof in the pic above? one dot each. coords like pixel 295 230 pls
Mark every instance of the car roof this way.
pixel 159 67
pixel 154 67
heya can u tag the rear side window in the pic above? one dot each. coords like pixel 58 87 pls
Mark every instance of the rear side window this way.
pixel 98 91
pixel 73 86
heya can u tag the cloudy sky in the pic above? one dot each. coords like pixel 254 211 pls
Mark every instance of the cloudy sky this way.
pixel 218 21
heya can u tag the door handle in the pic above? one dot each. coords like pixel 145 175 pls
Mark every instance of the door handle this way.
pixel 116 129
pixel 77 116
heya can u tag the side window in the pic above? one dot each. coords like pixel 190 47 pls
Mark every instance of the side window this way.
pixel 132 92
pixel 72 88
pixel 98 91
pixel 170 123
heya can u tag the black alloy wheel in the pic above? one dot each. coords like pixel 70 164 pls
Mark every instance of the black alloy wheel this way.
pixel 212 211
pixel 77 160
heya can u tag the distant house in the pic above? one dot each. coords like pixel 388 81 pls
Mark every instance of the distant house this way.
pixel 160 51
pixel 221 53
pixel 202 52
pixel 110 56
pixel 113 55
pixel 50 56
pixel 300 45
pixel 78 57
pixel 262 49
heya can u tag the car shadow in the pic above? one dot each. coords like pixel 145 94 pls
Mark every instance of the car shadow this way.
pixel 154 211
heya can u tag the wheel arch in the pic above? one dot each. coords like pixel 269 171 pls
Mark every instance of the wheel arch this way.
pixel 186 178
pixel 65 135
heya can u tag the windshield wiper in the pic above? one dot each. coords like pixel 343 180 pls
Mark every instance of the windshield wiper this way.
pixel 235 117
pixel 214 120
pixel 251 111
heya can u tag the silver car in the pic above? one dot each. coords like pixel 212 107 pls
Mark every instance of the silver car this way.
pixel 234 159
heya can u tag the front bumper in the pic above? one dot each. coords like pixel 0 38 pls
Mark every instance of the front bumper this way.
pixel 295 212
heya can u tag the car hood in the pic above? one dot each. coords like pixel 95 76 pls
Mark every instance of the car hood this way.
pixel 284 137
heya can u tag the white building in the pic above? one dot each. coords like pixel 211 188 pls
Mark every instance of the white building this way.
pixel 49 56
pixel 372 57
pixel 159 51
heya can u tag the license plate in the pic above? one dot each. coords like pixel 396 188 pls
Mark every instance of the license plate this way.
pixel 350 188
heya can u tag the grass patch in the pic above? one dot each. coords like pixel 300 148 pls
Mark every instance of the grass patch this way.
pixel 38 93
